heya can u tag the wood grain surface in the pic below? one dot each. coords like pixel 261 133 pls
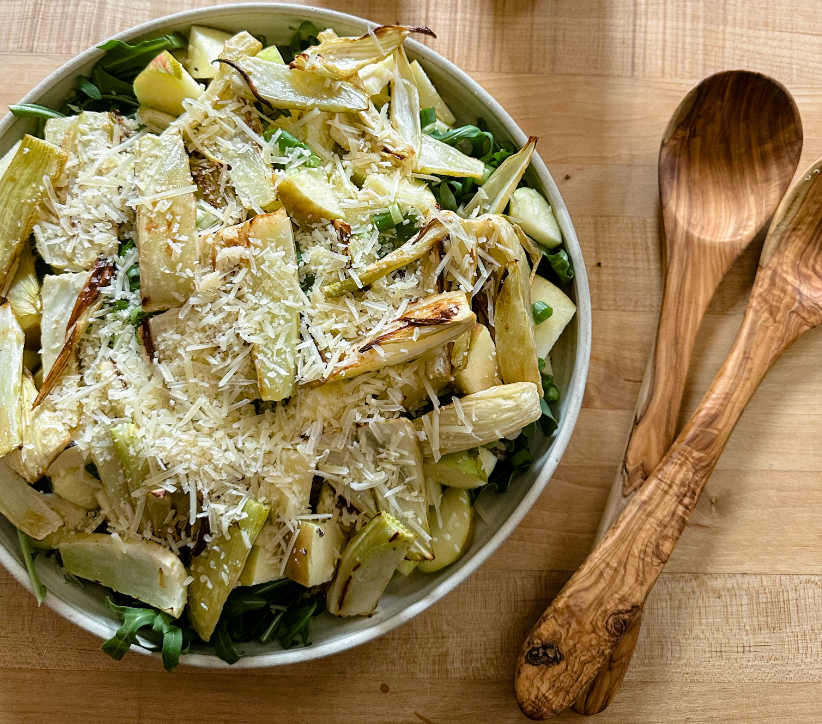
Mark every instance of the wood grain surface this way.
pixel 731 631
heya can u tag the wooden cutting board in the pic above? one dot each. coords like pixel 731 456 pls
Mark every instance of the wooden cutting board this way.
pixel 732 630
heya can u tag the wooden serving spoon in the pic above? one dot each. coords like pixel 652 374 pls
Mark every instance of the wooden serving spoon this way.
pixel 726 159
pixel 600 603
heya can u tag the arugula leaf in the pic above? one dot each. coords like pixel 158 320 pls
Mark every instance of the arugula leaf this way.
pixel 109 84
pixel 134 618
pixel 296 623
pixel 427 116
pixel 124 60
pixel 305 35
pixel 37 587
pixel 223 645
pixel 446 197
pixel 476 141
pixel 89 88
pixel 240 601
pixel 480 143
pixel 172 640
pixel 547 421
pixel 32 110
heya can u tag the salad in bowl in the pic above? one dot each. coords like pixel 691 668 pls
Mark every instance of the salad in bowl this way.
pixel 272 323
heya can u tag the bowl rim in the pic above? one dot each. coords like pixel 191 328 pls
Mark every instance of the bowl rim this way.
pixel 92 622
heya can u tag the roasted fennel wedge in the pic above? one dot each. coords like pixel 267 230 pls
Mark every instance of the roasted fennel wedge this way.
pixel 424 326
pixel 166 221
pixel 367 564
pixel 12 341
pixel 277 86
pixel 478 419
pixel 143 569
pixel 216 570
pixel 23 187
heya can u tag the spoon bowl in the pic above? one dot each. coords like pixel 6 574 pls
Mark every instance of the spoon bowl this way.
pixel 726 159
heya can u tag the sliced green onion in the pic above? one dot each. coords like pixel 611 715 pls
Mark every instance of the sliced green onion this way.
pixel 549 389
pixel 541 312
pixel 285 140
pixel 561 265
pixel 396 214
pixel 384 221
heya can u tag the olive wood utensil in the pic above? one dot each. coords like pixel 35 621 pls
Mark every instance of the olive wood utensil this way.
pixel 726 159
pixel 580 629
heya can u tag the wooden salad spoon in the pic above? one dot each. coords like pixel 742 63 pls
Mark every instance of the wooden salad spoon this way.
pixel 726 159
pixel 574 637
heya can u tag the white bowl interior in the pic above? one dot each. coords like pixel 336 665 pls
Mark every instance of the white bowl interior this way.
pixel 404 597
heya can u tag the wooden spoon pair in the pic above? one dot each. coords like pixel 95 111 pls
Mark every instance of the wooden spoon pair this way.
pixel 727 158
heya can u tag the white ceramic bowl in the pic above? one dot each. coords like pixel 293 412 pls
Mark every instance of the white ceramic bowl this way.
pixel 408 597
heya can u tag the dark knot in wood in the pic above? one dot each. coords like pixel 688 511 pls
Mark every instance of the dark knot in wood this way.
pixel 544 655
pixel 621 621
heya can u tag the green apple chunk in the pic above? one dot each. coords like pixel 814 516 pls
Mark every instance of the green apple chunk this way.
pixel 315 553
pixel 468 469
pixel 437 157
pixel 70 480
pixel 272 54
pixel 453 538
pixel 164 84
pixel 143 569
pixel 204 47
pixel 535 217
pixel 429 97
pixel 366 566
pixel 308 197
pixel 547 333
pixel 480 371
pixel 264 562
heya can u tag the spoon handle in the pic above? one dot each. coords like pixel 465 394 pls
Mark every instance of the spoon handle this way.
pixel 655 418
pixel 685 300
pixel 601 602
